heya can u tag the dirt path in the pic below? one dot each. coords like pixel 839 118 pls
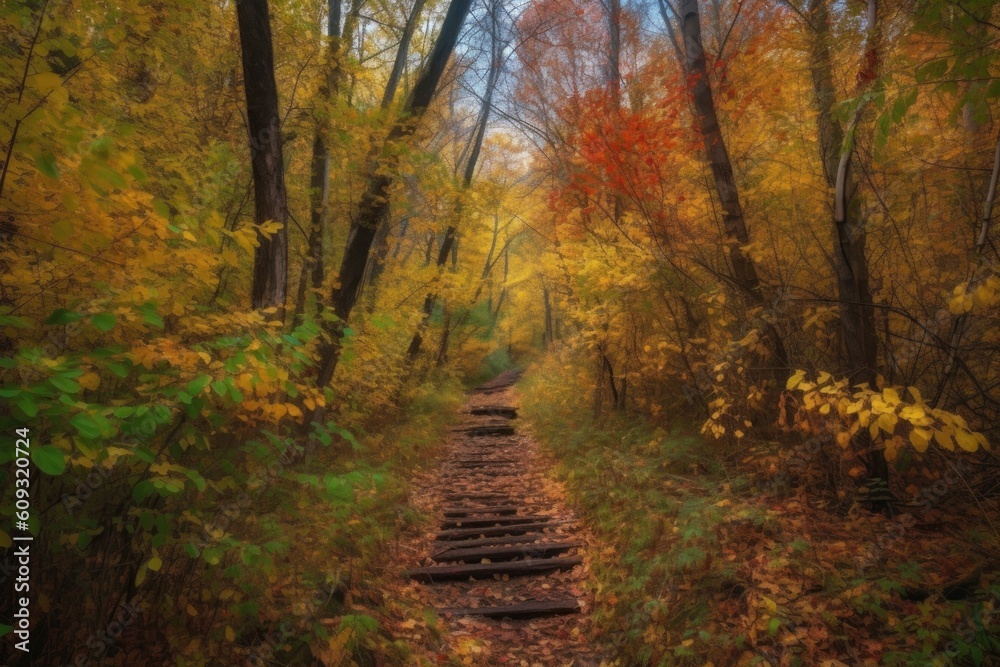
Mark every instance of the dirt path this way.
pixel 507 564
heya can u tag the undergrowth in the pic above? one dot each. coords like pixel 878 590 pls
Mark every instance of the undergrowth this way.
pixel 708 556
pixel 334 594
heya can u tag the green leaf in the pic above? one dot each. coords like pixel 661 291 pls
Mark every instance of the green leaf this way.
pixel 144 454
pixel 345 434
pixel 65 384
pixel 14 322
pixel 63 316
pixel 27 404
pixel 196 477
pixel 142 490
pixel 49 459
pixel 197 385
pixel 112 177
pixel 903 104
pixel 161 207
pixel 104 321
pixel 150 316
pixel 121 370
pixel 86 425
pixel 62 230
pixel 46 163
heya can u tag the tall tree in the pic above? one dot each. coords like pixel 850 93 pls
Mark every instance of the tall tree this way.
pixel 496 60
pixel 313 270
pixel 837 153
pixel 270 267
pixel 716 151
pixel 744 272
pixel 377 262
pixel 402 53
pixel 374 205
pixel 613 73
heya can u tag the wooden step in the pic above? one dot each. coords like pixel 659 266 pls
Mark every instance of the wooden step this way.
pixel 504 411
pixel 457 496
pixel 480 476
pixel 492 531
pixel 484 431
pixel 487 541
pixel 518 568
pixel 494 387
pixel 497 554
pixel 486 465
pixel 477 521
pixel 487 509
pixel 529 609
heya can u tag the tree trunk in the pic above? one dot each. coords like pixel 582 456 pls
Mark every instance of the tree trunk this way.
pixel 442 355
pixel 857 311
pixel 613 74
pixel 377 262
pixel 470 170
pixel 744 272
pixel 313 271
pixel 402 53
pixel 270 271
pixel 548 334
pixel 374 205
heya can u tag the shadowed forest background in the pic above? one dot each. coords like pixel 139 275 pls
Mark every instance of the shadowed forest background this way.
pixel 252 254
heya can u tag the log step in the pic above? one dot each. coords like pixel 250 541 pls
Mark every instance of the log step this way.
pixel 485 465
pixel 487 509
pixel 481 521
pixel 483 431
pixel 455 497
pixel 529 609
pixel 491 531
pixel 497 554
pixel 462 495
pixel 499 383
pixel 504 411
pixel 478 475
pixel 487 541
pixel 488 570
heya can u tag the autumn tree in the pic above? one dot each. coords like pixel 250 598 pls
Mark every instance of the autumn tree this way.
pixel 270 271
pixel 498 39
pixel 374 205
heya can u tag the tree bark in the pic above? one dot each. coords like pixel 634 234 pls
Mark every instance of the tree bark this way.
pixel 448 245
pixel 613 73
pixel 313 271
pixel 376 264
pixel 402 53
pixel 744 272
pixel 374 205
pixel 857 310
pixel 270 272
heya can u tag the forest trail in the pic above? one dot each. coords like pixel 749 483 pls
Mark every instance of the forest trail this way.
pixel 507 564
